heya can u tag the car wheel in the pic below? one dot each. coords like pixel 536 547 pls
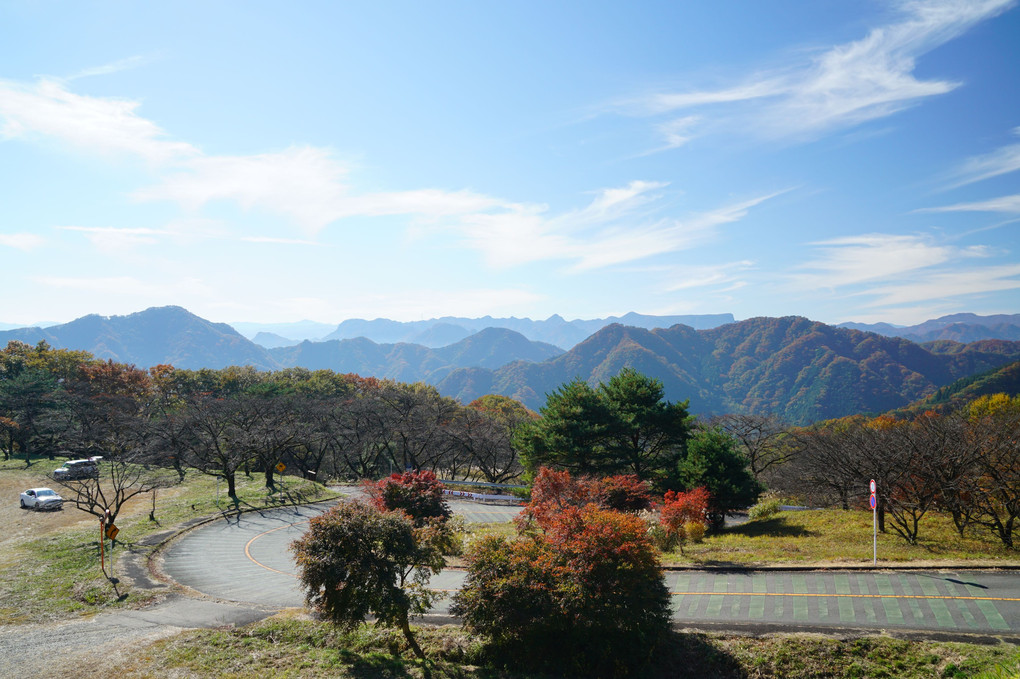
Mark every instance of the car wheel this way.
pixel 23 506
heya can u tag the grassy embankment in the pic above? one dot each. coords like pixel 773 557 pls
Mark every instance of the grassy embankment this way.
pixel 52 569
pixel 291 646
pixel 833 536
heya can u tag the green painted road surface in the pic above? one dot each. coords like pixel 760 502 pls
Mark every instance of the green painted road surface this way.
pixel 962 601
pixel 246 559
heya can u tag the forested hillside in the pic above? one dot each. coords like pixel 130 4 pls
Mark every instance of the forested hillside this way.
pixel 798 369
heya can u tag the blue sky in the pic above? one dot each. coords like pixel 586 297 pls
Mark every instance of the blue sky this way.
pixel 266 161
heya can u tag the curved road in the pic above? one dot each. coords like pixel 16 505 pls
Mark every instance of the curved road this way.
pixel 245 559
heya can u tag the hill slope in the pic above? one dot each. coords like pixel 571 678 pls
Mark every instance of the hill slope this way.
pixel 796 368
pixel 157 335
pixel 491 348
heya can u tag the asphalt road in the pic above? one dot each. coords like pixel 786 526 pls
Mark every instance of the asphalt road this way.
pixel 246 559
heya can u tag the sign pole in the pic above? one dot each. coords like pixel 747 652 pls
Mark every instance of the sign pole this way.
pixel 874 524
pixel 102 545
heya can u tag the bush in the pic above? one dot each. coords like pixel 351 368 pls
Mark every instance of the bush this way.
pixel 555 491
pixel 684 515
pixel 585 596
pixel 356 560
pixel 695 531
pixel 766 507
pixel 417 494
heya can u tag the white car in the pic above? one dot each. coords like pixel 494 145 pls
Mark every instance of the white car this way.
pixel 78 469
pixel 41 498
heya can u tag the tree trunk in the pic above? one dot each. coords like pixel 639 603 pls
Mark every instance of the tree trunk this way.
pixel 231 486
pixel 405 627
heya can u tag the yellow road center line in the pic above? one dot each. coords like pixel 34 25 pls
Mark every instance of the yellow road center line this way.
pixel 247 548
pixel 851 596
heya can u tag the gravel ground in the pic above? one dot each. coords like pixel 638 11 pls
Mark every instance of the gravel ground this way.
pixel 68 647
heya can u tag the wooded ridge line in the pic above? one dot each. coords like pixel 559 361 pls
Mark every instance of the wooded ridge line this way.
pixel 798 369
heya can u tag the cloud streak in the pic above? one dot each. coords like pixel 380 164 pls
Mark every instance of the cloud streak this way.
pixel 47 109
pixel 896 270
pixel 844 86
pixel 618 227
pixel 999 162
pixel 1004 204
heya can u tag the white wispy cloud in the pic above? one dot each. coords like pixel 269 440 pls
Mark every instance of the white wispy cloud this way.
pixel 279 241
pixel 616 228
pixel 894 270
pixel 845 85
pixel 110 239
pixel 998 162
pixel 303 183
pixel 21 241
pixel 112 67
pixel 723 275
pixel 47 109
pixel 869 257
pixel 939 285
pixel 1004 204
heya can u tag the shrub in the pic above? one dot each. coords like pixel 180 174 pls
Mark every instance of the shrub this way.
pixel 684 515
pixel 553 492
pixel 695 531
pixel 585 596
pixel 766 507
pixel 356 560
pixel 419 494
pixel 624 493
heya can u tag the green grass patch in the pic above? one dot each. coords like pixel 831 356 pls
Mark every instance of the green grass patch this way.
pixel 837 536
pixel 288 646
pixel 58 574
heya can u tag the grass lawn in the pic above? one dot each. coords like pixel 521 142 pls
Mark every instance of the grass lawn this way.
pixel 288 645
pixel 833 536
pixel 50 563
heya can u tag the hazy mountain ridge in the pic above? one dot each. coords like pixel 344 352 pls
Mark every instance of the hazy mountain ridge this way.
pixel 555 330
pixel 157 335
pixel 799 369
pixel 490 348
pixel 964 327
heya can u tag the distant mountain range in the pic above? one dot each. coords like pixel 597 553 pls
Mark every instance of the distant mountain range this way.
pixel 441 332
pixel 956 327
pixel 158 335
pixel 799 369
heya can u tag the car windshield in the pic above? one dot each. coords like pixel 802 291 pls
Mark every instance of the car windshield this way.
pixel 45 493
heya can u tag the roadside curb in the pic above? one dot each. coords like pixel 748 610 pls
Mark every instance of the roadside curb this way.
pixel 738 568
pixel 159 541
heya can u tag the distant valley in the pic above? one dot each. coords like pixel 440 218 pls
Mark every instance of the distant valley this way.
pixel 796 368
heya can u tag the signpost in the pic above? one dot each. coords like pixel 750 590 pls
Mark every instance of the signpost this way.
pixel 874 524
pixel 102 538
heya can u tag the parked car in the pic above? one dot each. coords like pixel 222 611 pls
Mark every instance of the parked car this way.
pixel 77 469
pixel 41 498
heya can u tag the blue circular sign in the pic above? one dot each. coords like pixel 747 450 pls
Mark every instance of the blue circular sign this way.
pixel 873 502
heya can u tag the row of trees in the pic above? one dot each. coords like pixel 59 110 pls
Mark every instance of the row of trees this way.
pixel 964 462
pixel 223 422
